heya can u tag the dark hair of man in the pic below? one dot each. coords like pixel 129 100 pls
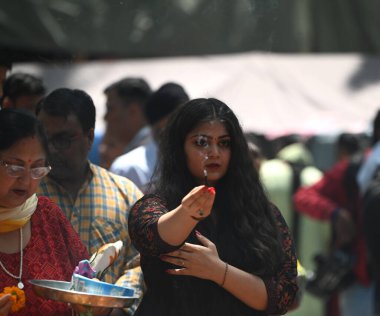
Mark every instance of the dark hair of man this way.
pixel 22 84
pixel 245 212
pixel 18 124
pixel 348 142
pixel 131 89
pixel 164 101
pixel 64 102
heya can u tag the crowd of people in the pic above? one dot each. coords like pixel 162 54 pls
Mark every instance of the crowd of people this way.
pixel 209 225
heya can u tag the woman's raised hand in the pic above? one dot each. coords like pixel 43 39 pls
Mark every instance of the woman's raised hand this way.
pixel 198 202
pixel 175 226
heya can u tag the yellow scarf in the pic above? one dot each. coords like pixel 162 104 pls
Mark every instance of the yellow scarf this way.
pixel 16 217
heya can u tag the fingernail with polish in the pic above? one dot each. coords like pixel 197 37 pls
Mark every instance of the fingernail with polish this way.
pixel 211 190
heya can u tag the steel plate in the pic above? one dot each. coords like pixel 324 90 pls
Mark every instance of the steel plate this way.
pixel 60 291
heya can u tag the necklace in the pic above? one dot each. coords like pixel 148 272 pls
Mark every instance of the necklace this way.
pixel 20 285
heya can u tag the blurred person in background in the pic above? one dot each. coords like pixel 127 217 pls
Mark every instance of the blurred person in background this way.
pixel 335 199
pixel 292 167
pixel 372 162
pixel 368 179
pixel 109 148
pixel 22 90
pixel 138 165
pixel 126 125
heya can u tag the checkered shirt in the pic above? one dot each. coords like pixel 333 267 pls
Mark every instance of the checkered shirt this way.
pixel 100 215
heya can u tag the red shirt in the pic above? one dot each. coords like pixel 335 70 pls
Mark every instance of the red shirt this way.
pixel 52 253
pixel 321 199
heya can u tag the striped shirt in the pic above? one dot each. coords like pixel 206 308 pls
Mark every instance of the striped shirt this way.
pixel 100 215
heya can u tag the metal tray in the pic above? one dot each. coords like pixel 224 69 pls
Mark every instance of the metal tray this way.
pixel 60 291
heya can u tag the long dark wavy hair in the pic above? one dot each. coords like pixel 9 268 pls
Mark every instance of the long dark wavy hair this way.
pixel 240 198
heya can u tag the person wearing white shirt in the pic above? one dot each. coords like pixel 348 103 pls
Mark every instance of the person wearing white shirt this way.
pixel 138 165
pixel 126 125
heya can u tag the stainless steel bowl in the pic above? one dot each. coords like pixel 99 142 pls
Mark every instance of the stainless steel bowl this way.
pixel 60 291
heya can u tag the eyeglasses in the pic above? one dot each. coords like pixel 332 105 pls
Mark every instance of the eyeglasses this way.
pixel 18 171
pixel 62 142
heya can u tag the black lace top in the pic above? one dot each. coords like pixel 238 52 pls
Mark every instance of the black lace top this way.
pixel 173 295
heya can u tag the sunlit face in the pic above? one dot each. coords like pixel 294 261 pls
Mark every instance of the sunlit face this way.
pixel 27 153
pixel 207 147
pixel 68 145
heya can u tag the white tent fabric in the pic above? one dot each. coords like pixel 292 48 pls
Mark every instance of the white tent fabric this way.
pixel 272 94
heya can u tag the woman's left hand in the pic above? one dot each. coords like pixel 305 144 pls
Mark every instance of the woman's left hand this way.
pixel 201 261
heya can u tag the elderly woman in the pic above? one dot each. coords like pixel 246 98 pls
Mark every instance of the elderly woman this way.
pixel 36 239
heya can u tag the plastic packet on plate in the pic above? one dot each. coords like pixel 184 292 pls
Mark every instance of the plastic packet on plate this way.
pixel 85 269
pixel 99 261
pixel 105 257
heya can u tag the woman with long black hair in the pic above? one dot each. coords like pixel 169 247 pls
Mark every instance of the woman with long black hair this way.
pixel 210 241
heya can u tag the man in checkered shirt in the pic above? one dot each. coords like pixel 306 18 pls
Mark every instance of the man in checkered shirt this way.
pixel 96 201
